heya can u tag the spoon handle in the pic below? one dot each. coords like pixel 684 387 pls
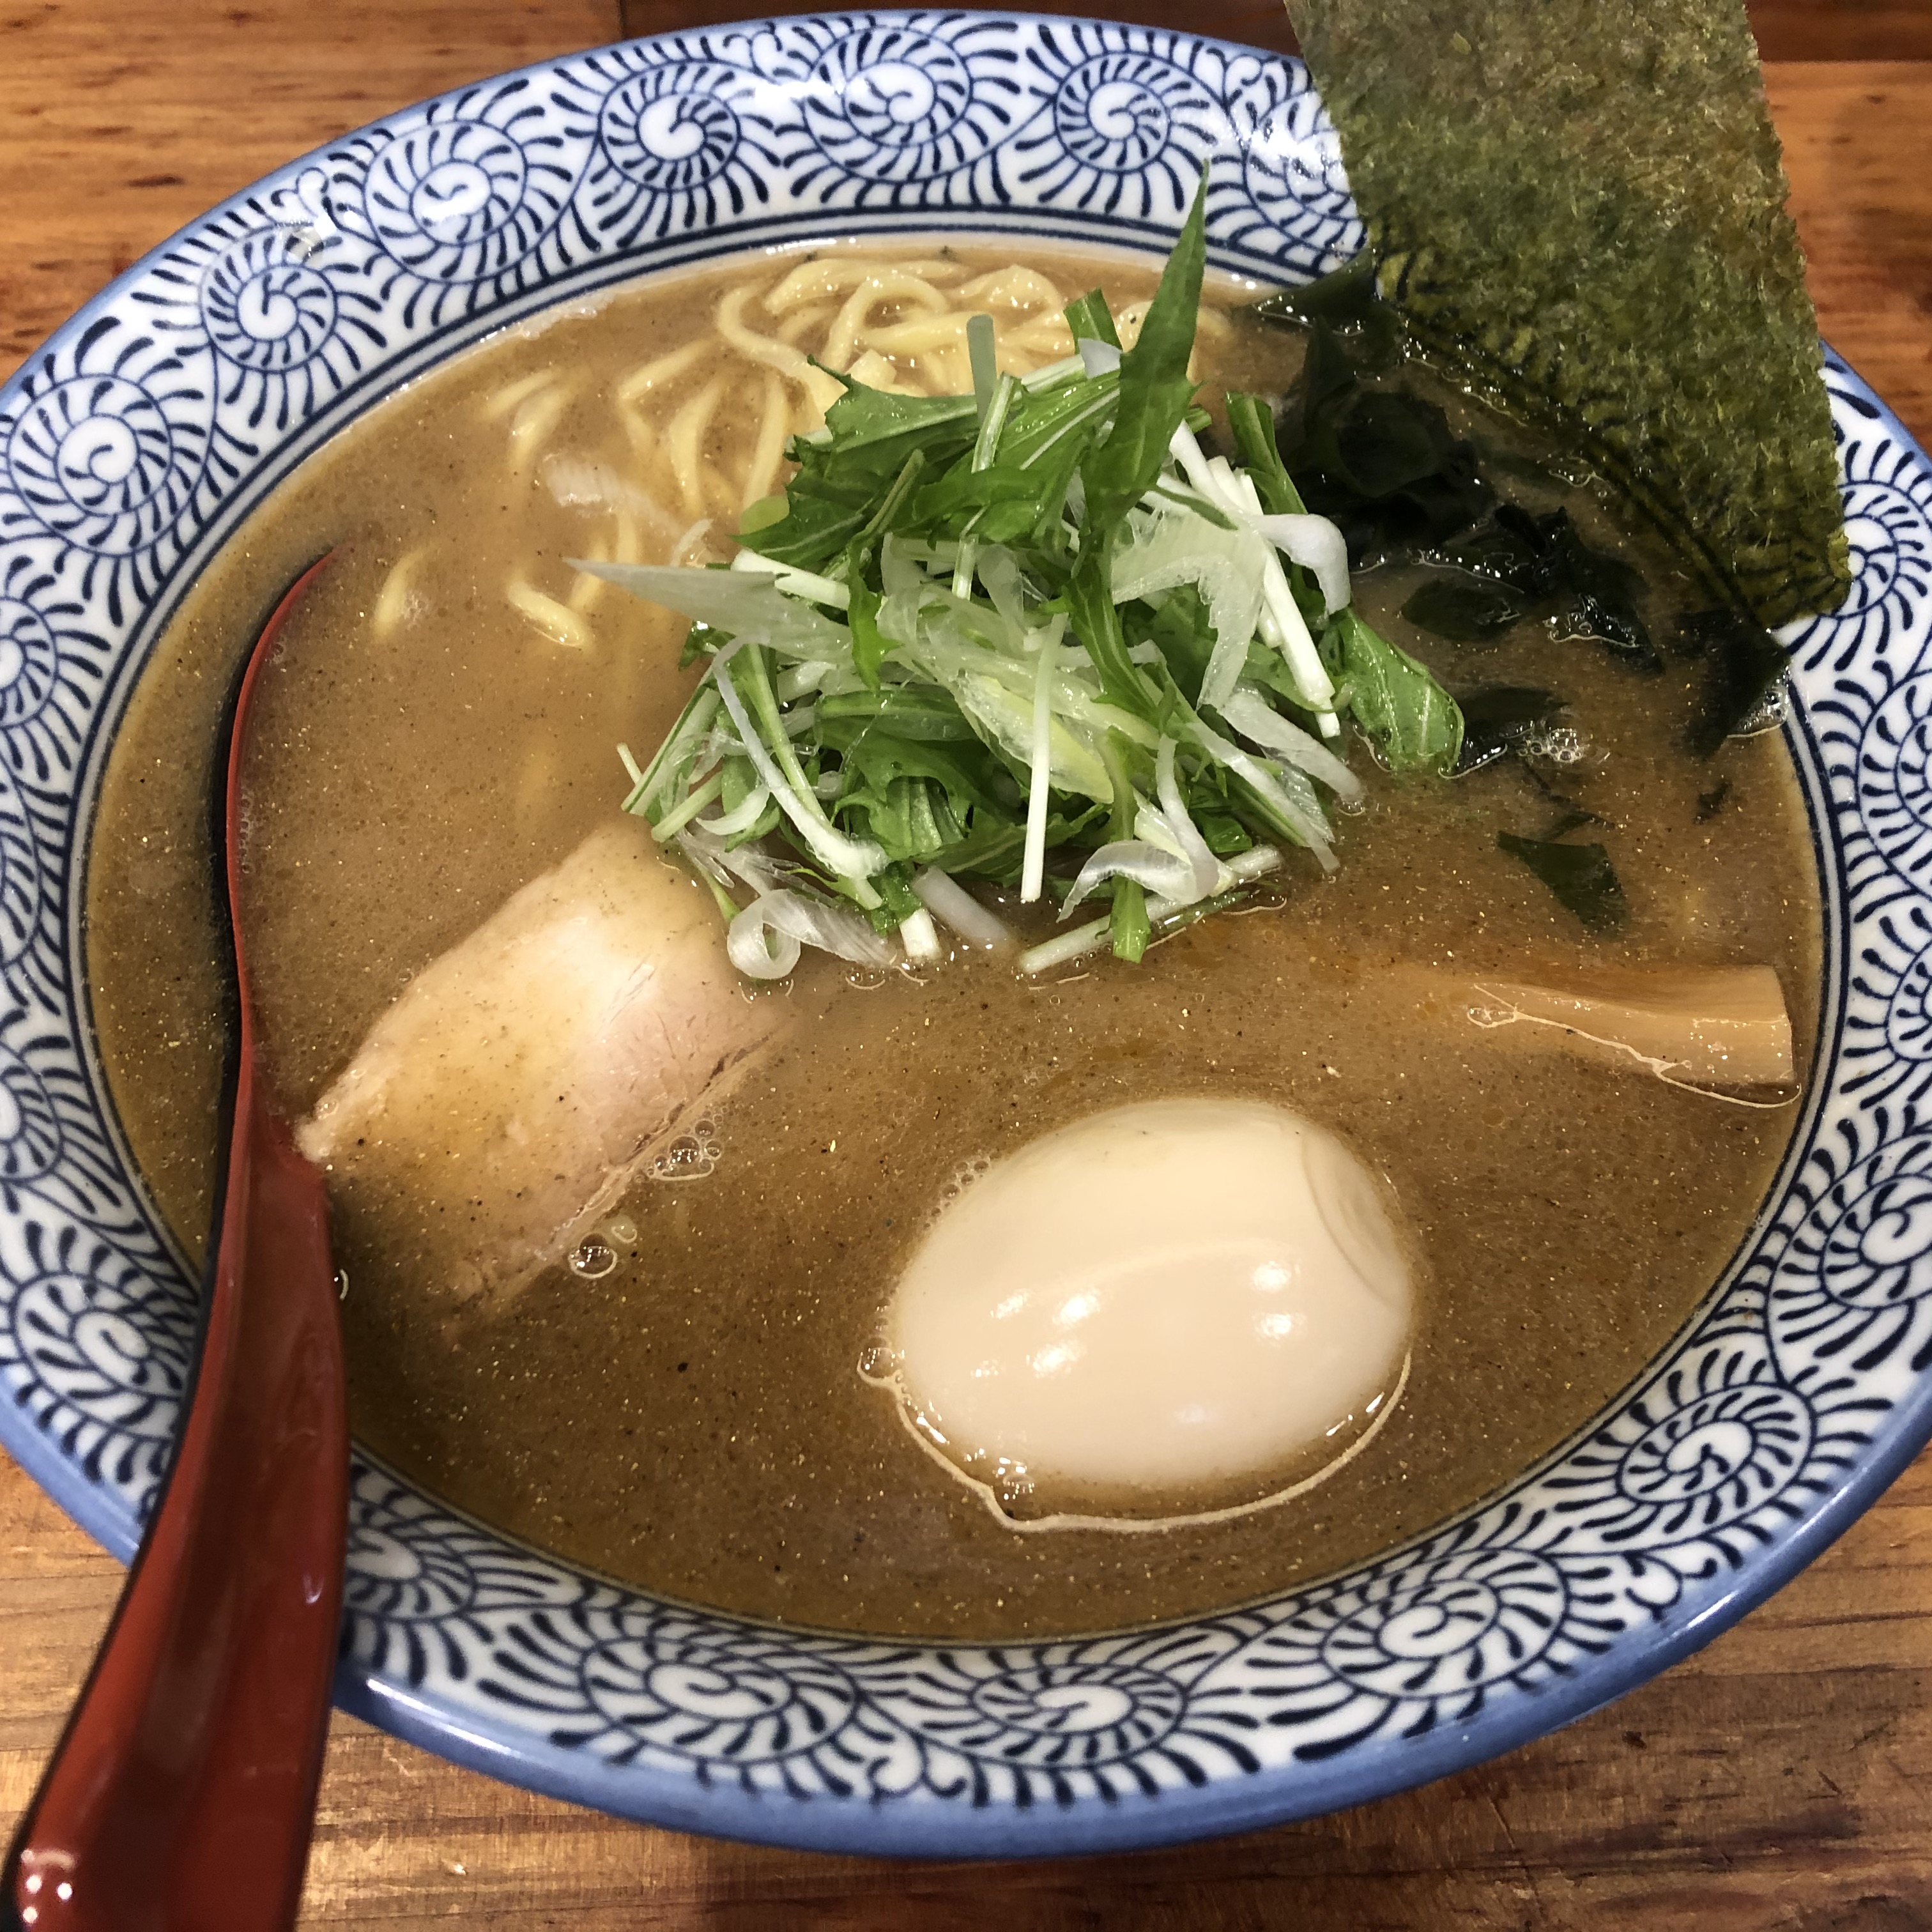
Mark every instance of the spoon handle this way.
pixel 180 1797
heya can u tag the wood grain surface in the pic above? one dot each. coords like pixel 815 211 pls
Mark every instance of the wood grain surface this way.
pixel 1782 1777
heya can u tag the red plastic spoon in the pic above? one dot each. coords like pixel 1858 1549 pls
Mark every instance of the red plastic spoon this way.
pixel 182 1797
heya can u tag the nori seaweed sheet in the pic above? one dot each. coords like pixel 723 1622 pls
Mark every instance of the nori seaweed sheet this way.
pixel 1579 206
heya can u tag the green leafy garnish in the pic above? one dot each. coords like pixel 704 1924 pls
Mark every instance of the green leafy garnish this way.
pixel 1251 422
pixel 1036 630
pixel 869 437
pixel 1090 320
pixel 1414 722
pixel 1155 388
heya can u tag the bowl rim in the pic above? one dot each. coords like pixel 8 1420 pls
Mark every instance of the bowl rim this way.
pixel 1030 1815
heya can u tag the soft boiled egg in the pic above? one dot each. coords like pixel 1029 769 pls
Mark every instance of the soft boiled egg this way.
pixel 1161 1299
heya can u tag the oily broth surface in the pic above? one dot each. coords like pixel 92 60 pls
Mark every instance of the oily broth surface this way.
pixel 694 1420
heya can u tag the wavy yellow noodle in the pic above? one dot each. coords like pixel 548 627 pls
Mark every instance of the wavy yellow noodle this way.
pixel 876 372
pixel 824 390
pixel 801 321
pixel 396 601
pixel 655 373
pixel 1016 287
pixel 556 620
pixel 1046 336
pixel 536 417
pixel 951 370
pixel 500 402
pixel 588 591
pixel 626 546
pixel 761 474
pixel 831 276
pixel 842 339
pixel 920 333
pixel 683 439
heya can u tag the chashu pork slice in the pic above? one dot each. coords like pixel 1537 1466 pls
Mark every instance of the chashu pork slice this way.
pixel 506 1100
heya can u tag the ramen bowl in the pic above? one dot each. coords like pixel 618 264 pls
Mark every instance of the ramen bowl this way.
pixel 138 438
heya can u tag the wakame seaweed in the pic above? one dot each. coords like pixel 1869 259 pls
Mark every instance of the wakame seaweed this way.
pixel 1743 662
pixel 1464 612
pixel 1581 877
pixel 1345 300
pixel 1514 546
pixel 1541 564
pixel 1581 207
pixel 1498 718
pixel 1385 465
pixel 1597 597
pixel 1382 464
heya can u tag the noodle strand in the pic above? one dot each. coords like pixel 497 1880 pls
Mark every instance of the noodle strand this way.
pixel 666 368
pixel 683 436
pixel 557 621
pixel 536 416
pixel 761 475
pixel 501 402
pixel 395 601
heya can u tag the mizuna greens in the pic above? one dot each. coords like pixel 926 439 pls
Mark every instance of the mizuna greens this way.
pixel 1040 619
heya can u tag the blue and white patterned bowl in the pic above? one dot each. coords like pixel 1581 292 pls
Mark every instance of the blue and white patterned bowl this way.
pixel 137 439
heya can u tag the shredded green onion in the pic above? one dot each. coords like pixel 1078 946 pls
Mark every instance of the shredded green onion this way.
pixel 1016 635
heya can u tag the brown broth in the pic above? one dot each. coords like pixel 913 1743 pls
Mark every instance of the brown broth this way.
pixel 694 1421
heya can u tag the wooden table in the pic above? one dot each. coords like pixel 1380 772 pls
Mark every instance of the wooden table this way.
pixel 1781 1777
